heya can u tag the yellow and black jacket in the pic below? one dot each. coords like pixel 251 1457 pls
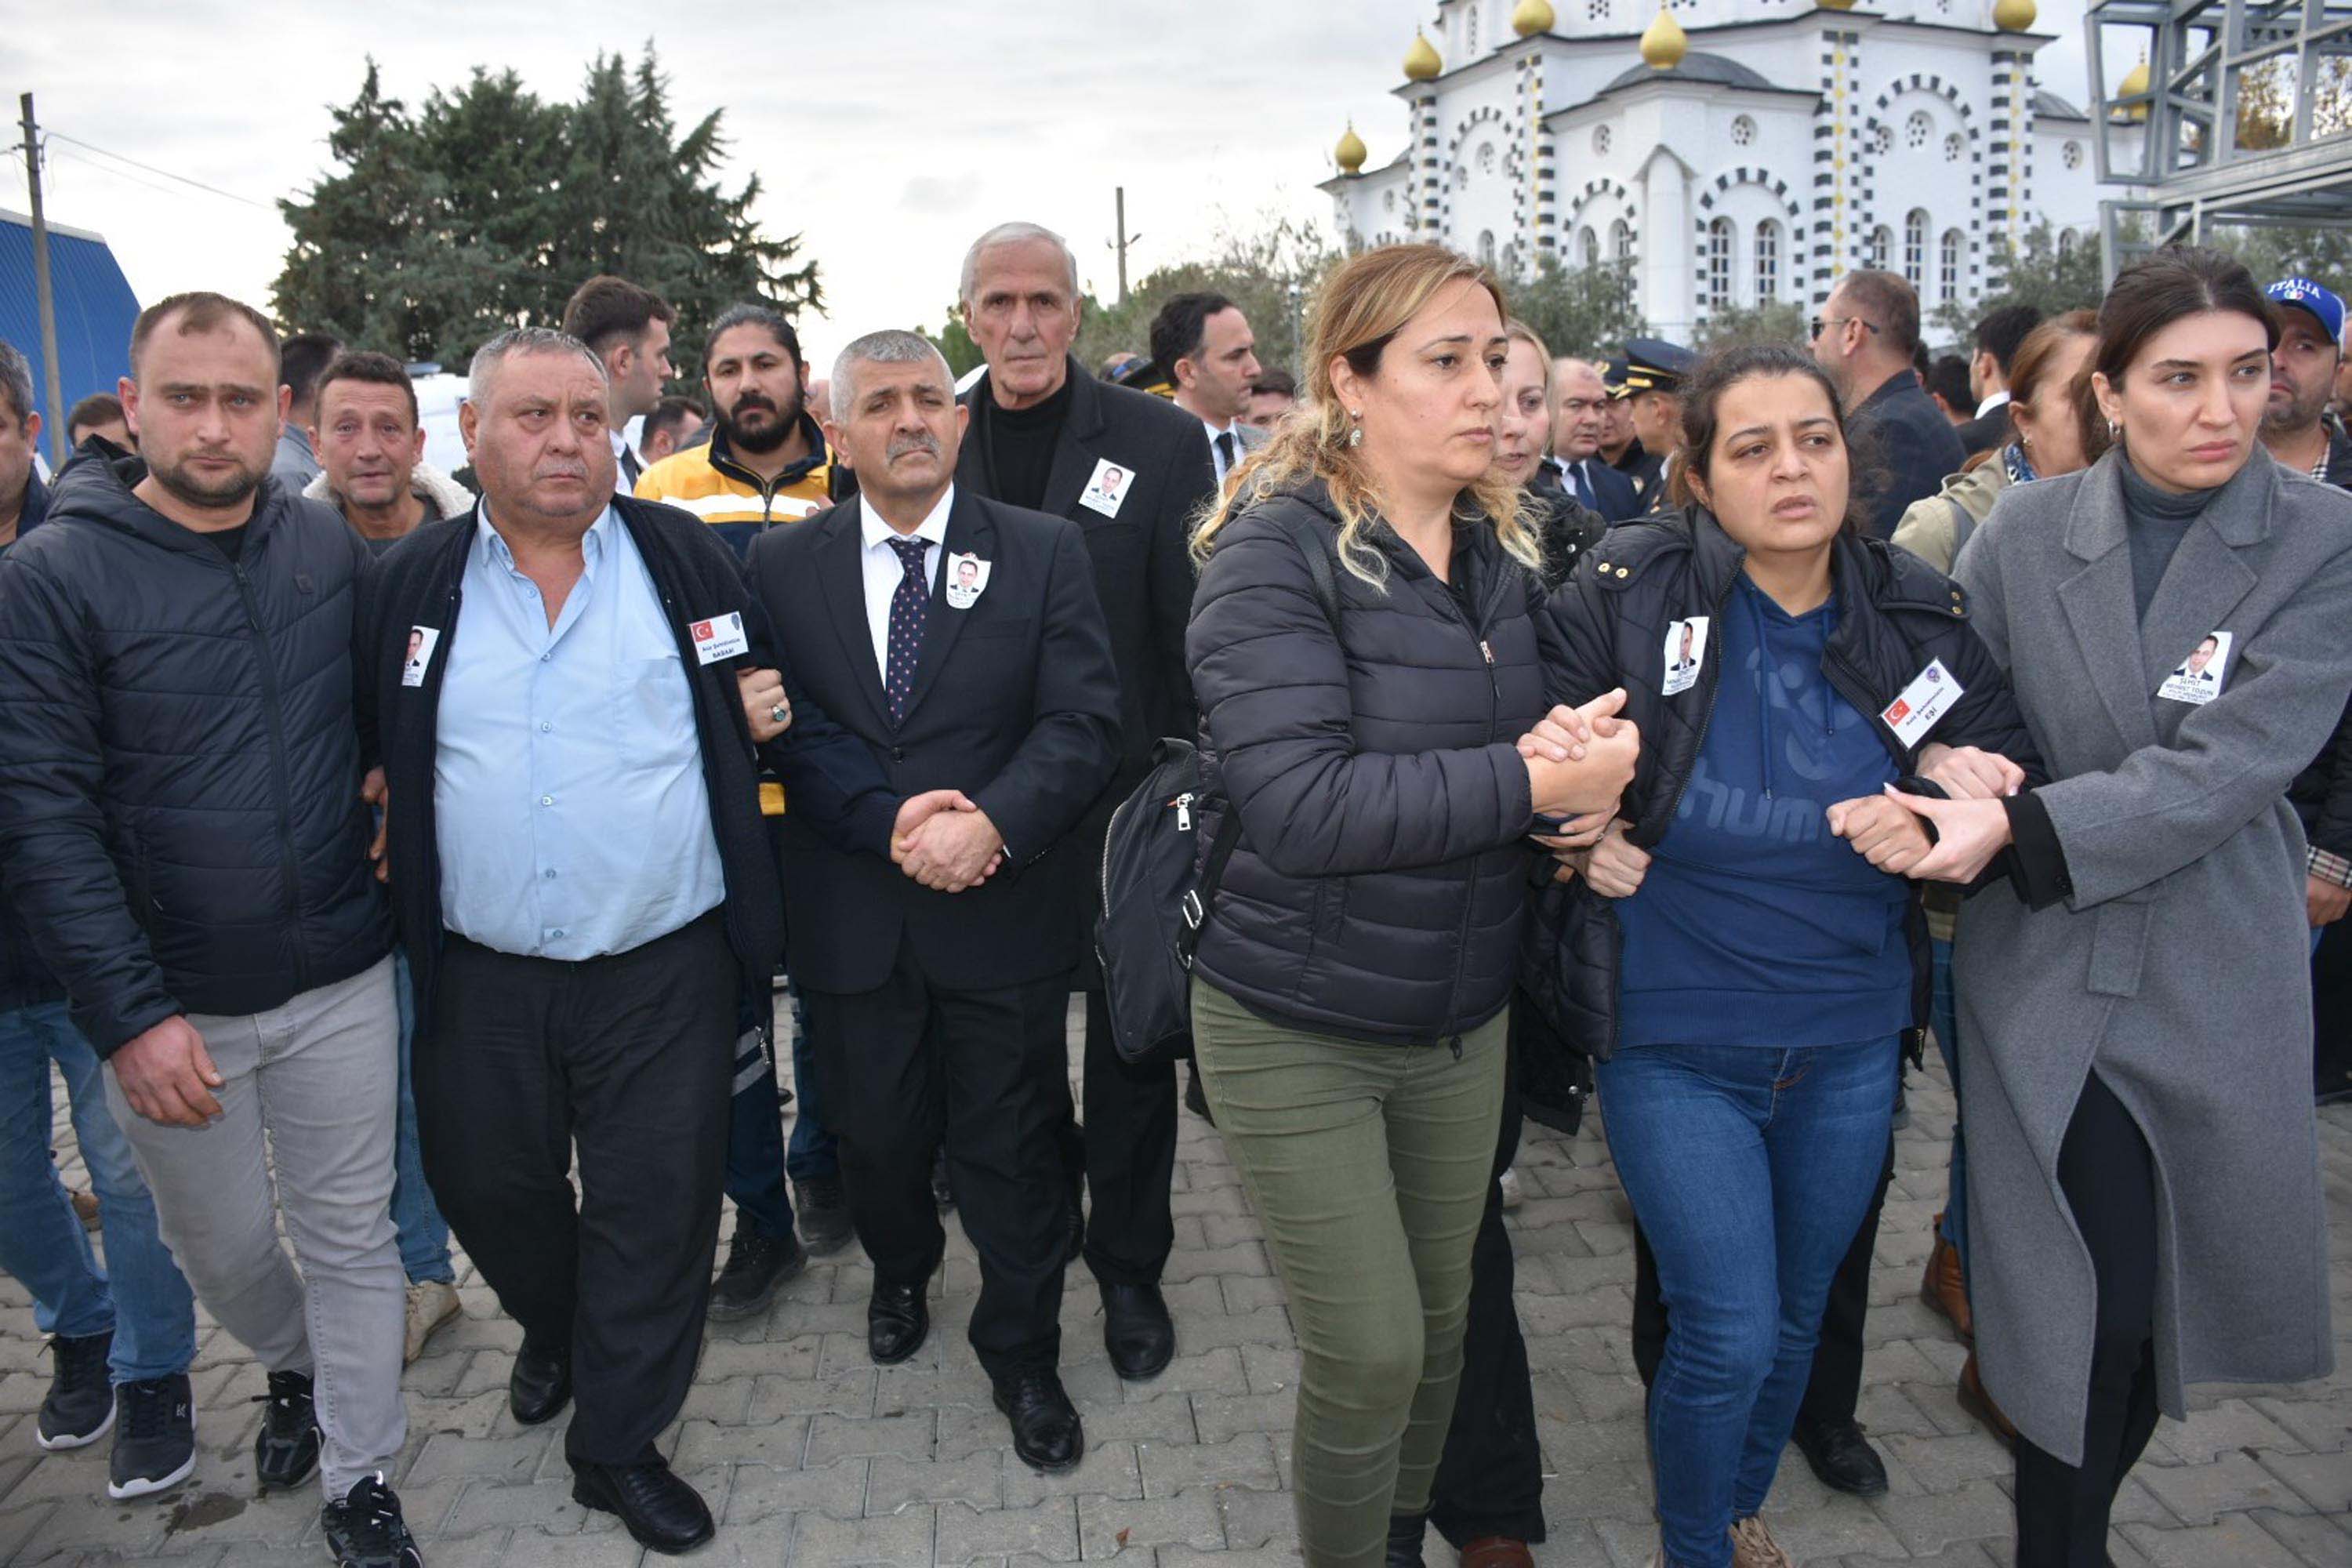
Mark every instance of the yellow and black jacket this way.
pixel 738 505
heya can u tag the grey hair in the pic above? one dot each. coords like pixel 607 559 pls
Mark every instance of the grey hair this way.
pixel 17 380
pixel 887 347
pixel 522 340
pixel 1014 233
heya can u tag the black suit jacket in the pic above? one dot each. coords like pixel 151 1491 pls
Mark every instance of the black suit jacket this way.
pixel 1142 558
pixel 1015 702
pixel 1984 432
pixel 1909 448
pixel 1612 491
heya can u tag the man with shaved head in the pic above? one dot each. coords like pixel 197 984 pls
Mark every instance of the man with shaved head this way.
pixel 183 829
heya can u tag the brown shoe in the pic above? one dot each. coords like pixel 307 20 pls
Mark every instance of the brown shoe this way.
pixel 1496 1552
pixel 1752 1545
pixel 1978 1403
pixel 1944 1288
pixel 85 1207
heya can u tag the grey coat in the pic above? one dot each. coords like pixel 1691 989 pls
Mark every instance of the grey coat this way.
pixel 2178 967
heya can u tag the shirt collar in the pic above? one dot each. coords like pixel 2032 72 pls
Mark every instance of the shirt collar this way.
pixel 1991 403
pixel 1216 430
pixel 933 529
pixel 491 547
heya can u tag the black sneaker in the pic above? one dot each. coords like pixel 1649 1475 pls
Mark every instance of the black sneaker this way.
pixel 759 1261
pixel 824 1215
pixel 155 1441
pixel 286 1450
pixel 80 1406
pixel 366 1529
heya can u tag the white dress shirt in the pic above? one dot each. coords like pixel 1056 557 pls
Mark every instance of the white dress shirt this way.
pixel 1991 401
pixel 882 570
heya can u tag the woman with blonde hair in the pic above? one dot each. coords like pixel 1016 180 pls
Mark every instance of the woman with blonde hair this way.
pixel 1351 983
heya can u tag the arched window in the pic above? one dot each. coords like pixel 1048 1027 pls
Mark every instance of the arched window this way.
pixel 1589 244
pixel 1878 249
pixel 1767 261
pixel 1486 247
pixel 1947 266
pixel 1718 262
pixel 2066 242
pixel 1620 241
pixel 1914 248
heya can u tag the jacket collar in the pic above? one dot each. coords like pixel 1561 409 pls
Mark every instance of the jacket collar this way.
pixel 1862 572
pixel 36 503
pixel 1892 388
pixel 839 549
pixel 2097 522
pixel 1074 452
pixel 100 490
pixel 722 457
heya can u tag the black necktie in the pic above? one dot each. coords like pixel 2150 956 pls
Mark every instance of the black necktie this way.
pixel 1224 446
pixel 908 604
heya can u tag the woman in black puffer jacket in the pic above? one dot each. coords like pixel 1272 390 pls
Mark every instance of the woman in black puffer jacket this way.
pixel 1350 985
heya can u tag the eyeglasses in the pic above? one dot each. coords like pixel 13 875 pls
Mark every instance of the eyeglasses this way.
pixel 1821 322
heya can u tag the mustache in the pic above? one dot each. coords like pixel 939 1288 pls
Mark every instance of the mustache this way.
pixel 903 446
pixel 561 471
pixel 752 400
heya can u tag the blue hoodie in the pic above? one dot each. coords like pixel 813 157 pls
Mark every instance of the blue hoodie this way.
pixel 1756 924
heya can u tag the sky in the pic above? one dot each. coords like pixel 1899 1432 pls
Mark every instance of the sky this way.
pixel 886 133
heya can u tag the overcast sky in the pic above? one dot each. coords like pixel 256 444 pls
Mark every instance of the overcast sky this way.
pixel 886 133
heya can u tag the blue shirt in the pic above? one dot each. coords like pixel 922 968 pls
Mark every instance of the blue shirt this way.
pixel 567 785
pixel 1755 925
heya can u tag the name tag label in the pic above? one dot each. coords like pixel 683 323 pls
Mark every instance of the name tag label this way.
pixel 721 637
pixel 2199 679
pixel 421 641
pixel 1106 492
pixel 1927 698
pixel 1686 653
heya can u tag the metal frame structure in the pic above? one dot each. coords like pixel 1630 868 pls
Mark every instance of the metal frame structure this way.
pixel 2176 143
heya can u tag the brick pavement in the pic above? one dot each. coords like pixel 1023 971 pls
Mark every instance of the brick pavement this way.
pixel 812 1457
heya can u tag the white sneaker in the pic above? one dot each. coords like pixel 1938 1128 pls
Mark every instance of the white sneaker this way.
pixel 430 1304
pixel 1510 1185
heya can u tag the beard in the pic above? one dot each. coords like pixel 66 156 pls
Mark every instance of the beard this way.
pixel 213 494
pixel 766 437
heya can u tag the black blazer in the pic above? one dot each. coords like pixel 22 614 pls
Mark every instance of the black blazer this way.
pixel 1016 703
pixel 1618 501
pixel 1908 449
pixel 1142 558
pixel 1984 432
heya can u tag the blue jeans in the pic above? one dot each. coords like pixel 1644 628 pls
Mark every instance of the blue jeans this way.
pixel 424 1234
pixel 1944 1014
pixel 814 1151
pixel 1750 1169
pixel 141 1295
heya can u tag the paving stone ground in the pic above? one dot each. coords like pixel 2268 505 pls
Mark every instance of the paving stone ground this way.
pixel 812 1457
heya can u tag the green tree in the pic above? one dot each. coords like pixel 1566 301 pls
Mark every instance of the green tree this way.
pixel 1584 311
pixel 1773 322
pixel 486 208
pixel 955 344
pixel 2040 272
pixel 1271 271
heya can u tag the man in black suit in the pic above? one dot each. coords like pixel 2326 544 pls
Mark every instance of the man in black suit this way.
pixel 1997 341
pixel 960 640
pixel 1864 337
pixel 1046 435
pixel 1579 417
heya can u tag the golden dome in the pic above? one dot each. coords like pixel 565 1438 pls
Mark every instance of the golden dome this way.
pixel 1835 5
pixel 1350 154
pixel 2012 15
pixel 2134 82
pixel 1421 61
pixel 1662 43
pixel 1532 17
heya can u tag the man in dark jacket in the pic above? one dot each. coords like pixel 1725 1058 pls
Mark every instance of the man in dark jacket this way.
pixel 585 894
pixel 1579 418
pixel 1131 470
pixel 961 641
pixel 23 498
pixel 1998 338
pixel 1904 447
pixel 182 828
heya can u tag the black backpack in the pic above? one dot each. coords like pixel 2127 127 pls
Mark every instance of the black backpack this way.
pixel 1154 901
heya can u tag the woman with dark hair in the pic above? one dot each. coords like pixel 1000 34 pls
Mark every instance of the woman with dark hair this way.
pixel 2134 1005
pixel 1743 950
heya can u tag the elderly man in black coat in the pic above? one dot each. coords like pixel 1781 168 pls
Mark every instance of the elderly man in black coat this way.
pixel 1904 447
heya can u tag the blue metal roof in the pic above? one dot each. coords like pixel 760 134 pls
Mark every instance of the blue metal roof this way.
pixel 95 309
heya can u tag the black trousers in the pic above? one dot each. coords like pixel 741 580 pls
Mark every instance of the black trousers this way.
pixel 1125 1150
pixel 908 1064
pixel 1490 1476
pixel 2108 1175
pixel 626 1061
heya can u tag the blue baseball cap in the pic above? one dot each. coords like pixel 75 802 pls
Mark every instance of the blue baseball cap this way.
pixel 2322 302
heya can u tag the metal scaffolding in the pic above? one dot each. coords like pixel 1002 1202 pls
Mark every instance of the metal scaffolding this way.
pixel 2243 115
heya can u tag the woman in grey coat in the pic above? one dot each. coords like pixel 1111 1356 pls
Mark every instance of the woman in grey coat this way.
pixel 2144 1198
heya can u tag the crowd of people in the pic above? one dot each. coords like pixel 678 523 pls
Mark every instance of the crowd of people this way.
pixel 392 859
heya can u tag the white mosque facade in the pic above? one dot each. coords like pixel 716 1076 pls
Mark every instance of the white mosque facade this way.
pixel 1775 145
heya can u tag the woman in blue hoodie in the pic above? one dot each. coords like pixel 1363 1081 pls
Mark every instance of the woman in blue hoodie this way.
pixel 1741 949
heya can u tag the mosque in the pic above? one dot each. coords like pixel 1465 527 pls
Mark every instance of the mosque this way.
pixel 1733 152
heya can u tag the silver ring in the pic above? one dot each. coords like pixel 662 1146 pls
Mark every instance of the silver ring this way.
pixel 778 712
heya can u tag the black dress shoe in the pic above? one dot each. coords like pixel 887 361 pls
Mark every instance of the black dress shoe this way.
pixel 1406 1532
pixel 896 1319
pixel 1841 1456
pixel 1137 1331
pixel 540 1386
pixel 656 1509
pixel 1046 1434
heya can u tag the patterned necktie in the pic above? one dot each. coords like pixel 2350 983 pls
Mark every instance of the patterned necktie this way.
pixel 908 604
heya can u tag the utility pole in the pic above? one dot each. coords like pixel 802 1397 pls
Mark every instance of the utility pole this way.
pixel 1118 198
pixel 43 294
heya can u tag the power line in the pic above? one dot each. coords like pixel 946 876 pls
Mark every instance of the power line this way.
pixel 55 135
pixel 113 172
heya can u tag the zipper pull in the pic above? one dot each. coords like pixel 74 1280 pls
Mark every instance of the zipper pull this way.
pixel 1184 803
pixel 1484 648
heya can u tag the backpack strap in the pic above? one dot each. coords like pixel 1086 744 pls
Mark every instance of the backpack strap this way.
pixel 1315 545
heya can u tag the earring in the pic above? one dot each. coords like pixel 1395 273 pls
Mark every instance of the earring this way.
pixel 2114 430
pixel 1356 432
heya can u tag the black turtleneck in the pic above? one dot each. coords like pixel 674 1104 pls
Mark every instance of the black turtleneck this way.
pixel 1021 447
pixel 2156 521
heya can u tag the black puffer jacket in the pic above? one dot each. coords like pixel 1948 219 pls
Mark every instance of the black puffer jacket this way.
pixel 179 817
pixel 1380 882
pixel 1607 627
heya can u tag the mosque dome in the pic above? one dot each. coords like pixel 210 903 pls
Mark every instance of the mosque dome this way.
pixel 1664 43
pixel 1421 61
pixel 1350 154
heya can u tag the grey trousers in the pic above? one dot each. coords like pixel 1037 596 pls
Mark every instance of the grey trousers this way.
pixel 319 1079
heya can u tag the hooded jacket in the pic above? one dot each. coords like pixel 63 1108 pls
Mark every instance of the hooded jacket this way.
pixel 445 495
pixel 180 826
